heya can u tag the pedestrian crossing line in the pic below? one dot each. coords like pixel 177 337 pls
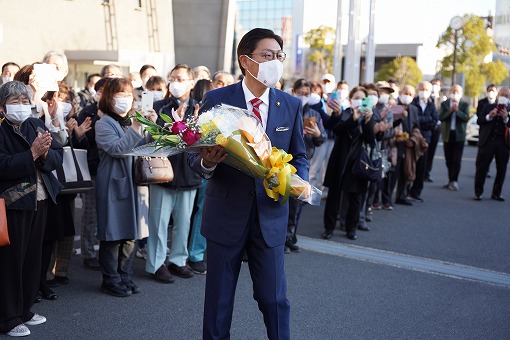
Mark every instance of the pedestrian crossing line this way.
pixel 421 264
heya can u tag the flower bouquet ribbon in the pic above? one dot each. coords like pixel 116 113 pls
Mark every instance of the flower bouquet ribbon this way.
pixel 241 134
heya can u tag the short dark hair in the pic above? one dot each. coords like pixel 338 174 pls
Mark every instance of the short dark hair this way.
pixel 100 83
pixel 145 68
pixel 200 88
pixel 23 75
pixel 492 86
pixel 10 63
pixel 356 89
pixel 184 66
pixel 154 81
pixel 114 85
pixel 90 76
pixel 249 42
pixel 342 82
pixel 436 80
pixel 301 83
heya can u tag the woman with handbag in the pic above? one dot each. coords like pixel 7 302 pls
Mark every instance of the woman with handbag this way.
pixel 28 155
pixel 117 217
pixel 352 128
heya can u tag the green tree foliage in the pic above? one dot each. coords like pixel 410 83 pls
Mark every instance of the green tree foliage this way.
pixel 404 70
pixel 321 41
pixel 473 45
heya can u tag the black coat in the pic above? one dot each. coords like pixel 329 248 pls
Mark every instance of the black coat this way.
pixel 18 169
pixel 90 137
pixel 350 136
pixel 184 177
pixel 494 126
pixel 427 119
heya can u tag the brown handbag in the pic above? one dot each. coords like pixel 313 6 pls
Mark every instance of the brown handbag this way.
pixel 153 170
pixel 4 232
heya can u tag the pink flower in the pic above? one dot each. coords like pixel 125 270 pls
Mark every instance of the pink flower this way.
pixel 189 137
pixel 178 127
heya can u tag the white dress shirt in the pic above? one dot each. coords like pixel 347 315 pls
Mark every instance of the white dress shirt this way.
pixel 263 108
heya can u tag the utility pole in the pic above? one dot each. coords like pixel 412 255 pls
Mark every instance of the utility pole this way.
pixel 370 52
pixel 337 57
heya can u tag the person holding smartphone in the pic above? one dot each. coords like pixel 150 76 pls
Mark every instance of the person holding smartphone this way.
pixel 493 143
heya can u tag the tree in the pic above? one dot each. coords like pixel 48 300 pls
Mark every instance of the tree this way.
pixel 321 41
pixel 404 70
pixel 473 45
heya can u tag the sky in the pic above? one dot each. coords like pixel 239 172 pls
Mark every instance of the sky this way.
pixel 397 21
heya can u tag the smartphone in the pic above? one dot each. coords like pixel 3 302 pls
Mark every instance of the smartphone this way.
pixel 147 100
pixel 501 107
pixel 366 104
pixel 308 121
pixel 46 76
pixel 333 96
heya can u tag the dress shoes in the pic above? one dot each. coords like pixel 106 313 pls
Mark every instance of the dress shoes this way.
pixel 352 235
pixel 404 202
pixel 163 275
pixel 116 289
pixel 132 286
pixel 327 234
pixel 292 247
pixel 38 299
pixel 57 281
pixel 429 180
pixel 497 198
pixel 363 227
pixel 416 198
pixel 180 271
pixel 47 294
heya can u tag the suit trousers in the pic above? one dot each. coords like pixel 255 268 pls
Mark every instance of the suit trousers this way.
pixel 493 148
pixel 20 265
pixel 295 207
pixel 453 150
pixel 116 260
pixel 431 152
pixel 197 243
pixel 163 203
pixel 388 186
pixel 421 168
pixel 332 208
pixel 266 267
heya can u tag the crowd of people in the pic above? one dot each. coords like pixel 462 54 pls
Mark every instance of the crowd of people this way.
pixel 402 126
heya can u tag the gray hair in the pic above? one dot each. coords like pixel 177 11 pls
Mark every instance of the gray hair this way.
pixel 12 89
pixel 201 68
pixel 55 54
pixel 225 73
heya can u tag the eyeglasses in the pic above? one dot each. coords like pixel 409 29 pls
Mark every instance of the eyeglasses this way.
pixel 179 80
pixel 269 55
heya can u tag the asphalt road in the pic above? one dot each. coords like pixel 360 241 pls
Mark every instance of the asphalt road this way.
pixel 436 270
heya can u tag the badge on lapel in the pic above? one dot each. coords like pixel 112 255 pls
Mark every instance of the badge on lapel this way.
pixel 282 128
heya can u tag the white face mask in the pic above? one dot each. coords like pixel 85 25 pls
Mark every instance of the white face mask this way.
pixel 395 95
pixel 7 79
pixel 17 114
pixel 270 72
pixel 304 99
pixel 383 99
pixel 491 95
pixel 456 97
pixel 435 89
pixel 405 99
pixel 314 99
pixel 123 104
pixel 178 90
pixel 503 101
pixel 355 103
pixel 424 94
pixel 157 95
pixel 65 107
pixel 374 99
pixel 92 91
pixel 144 82
pixel 343 94
pixel 136 83
pixel 328 88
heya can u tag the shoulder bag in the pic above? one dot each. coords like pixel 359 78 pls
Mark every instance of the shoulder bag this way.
pixel 153 170
pixel 74 173
pixel 367 165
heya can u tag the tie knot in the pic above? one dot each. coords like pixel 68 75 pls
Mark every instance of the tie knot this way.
pixel 255 102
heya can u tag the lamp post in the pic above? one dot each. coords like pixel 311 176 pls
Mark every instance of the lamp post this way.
pixel 456 24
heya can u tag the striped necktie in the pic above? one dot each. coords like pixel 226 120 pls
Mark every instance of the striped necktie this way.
pixel 255 102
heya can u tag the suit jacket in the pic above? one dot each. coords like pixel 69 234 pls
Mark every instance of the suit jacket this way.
pixel 481 105
pixel 428 118
pixel 445 116
pixel 230 194
pixel 487 126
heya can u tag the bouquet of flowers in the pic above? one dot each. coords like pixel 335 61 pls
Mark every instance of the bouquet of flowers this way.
pixel 241 134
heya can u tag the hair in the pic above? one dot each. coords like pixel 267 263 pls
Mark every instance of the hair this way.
pixel 301 83
pixel 201 68
pixel 316 87
pixel 103 70
pixel 23 75
pixel 9 64
pixel 154 81
pixel 342 82
pixel 250 40
pixel 146 67
pixel 201 87
pixel 492 86
pixel 371 86
pixel 409 87
pixel 436 80
pixel 12 89
pixel 356 89
pixel 220 73
pixel 90 76
pixel 100 83
pixel 184 66
pixel 113 86
pixel 50 54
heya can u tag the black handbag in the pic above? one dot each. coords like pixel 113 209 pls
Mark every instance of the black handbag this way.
pixel 367 165
pixel 153 170
pixel 74 173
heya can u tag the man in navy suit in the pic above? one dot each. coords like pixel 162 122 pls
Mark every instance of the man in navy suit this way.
pixel 238 215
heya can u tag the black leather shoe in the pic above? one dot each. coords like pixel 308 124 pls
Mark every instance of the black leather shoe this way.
pixel 363 227
pixel 404 202
pixel 352 235
pixel 57 281
pixel 47 294
pixel 116 289
pixel 497 198
pixel 292 247
pixel 430 180
pixel 38 299
pixel 132 286
pixel 327 234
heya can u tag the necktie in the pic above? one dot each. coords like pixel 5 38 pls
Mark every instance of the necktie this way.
pixel 255 102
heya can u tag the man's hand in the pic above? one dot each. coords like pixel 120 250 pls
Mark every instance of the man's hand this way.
pixel 335 106
pixel 455 106
pixel 504 114
pixel 212 155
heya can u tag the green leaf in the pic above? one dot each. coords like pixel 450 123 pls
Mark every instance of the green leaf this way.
pixel 166 118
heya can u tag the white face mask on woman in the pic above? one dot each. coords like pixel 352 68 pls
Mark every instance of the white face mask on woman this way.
pixel 123 104
pixel 356 103
pixel 304 99
pixel 270 72
pixel 65 107
pixel 17 114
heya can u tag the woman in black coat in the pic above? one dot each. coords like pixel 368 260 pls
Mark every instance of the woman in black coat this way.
pixel 352 129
